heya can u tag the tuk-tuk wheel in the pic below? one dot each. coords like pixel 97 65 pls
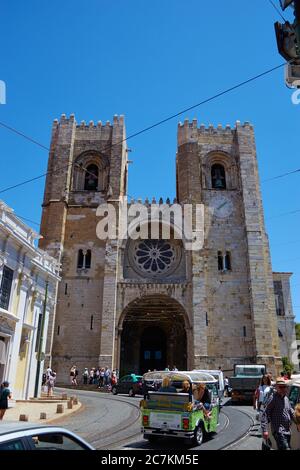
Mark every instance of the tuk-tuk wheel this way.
pixel 131 392
pixel 198 435
pixel 114 391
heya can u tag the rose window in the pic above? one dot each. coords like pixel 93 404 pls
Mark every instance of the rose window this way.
pixel 154 256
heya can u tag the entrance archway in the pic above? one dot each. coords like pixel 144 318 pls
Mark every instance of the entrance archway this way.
pixel 153 335
pixel 153 349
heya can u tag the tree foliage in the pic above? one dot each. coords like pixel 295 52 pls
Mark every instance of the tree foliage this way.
pixel 287 365
pixel 298 331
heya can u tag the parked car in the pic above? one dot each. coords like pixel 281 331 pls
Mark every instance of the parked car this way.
pixel 131 384
pixel 24 436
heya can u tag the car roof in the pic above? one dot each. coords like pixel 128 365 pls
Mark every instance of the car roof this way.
pixel 130 375
pixel 295 381
pixel 16 429
pixel 15 426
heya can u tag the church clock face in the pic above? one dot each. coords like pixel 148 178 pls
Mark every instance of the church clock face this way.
pixel 221 206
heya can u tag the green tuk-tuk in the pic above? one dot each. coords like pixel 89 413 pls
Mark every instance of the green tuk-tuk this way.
pixel 179 415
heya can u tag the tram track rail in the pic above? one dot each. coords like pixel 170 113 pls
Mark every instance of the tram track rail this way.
pixel 229 445
pixel 127 431
pixel 117 443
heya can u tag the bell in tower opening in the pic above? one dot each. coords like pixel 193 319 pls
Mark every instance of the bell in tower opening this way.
pixel 91 178
pixel 218 177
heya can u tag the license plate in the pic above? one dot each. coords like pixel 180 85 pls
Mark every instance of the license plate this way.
pixel 165 421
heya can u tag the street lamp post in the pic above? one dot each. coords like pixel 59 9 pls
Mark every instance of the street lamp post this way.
pixel 40 345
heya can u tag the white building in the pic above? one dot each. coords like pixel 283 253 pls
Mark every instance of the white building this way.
pixel 285 317
pixel 24 273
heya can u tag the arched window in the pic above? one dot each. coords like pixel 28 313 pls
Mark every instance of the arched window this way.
pixel 88 259
pixel 218 177
pixel 91 178
pixel 227 261
pixel 224 261
pixel 80 259
pixel 84 259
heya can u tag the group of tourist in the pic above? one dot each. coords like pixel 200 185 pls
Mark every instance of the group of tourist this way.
pixel 202 398
pixel 100 376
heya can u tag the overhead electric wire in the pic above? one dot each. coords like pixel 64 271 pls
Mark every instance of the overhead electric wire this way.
pixel 12 129
pixel 281 176
pixel 283 214
pixel 173 116
pixel 36 178
pixel 27 220
pixel 277 9
pixel 146 129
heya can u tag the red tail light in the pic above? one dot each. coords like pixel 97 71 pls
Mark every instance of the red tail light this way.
pixel 146 420
pixel 185 423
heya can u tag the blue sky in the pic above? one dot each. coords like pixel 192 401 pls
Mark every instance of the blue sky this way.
pixel 148 60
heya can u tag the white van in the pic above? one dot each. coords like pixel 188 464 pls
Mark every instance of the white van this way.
pixel 217 374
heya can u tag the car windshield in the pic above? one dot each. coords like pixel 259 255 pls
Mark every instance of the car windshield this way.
pixel 249 370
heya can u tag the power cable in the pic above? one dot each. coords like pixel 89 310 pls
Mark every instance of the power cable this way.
pixel 277 9
pixel 12 129
pixel 283 214
pixel 281 176
pixel 27 220
pixel 146 129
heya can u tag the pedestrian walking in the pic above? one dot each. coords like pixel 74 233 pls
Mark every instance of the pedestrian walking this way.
pixel 280 414
pixel 262 395
pixel 92 373
pixel 48 371
pixel 101 377
pixel 107 376
pixel 73 375
pixel 85 376
pixel 50 384
pixel 226 387
pixel 5 394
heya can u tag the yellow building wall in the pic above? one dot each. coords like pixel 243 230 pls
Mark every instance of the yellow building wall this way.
pixel 21 369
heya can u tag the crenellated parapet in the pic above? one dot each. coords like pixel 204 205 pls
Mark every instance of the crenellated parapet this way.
pixel 148 203
pixel 117 121
pixel 190 131
pixel 90 130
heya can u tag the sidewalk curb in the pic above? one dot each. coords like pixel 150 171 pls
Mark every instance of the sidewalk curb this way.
pixel 64 416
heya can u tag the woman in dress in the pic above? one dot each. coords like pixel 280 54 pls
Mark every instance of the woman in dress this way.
pixel 5 394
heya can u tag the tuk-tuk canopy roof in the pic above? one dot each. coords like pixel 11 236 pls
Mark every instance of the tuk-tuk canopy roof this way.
pixel 295 381
pixel 175 376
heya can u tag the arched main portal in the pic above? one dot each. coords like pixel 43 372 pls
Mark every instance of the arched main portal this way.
pixel 153 335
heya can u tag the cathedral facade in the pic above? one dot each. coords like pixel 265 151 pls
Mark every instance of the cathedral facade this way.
pixel 136 304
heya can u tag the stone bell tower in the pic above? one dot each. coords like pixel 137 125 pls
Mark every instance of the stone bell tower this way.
pixel 233 296
pixel 87 167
